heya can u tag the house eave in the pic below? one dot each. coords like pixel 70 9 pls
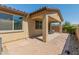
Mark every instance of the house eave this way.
pixel 12 10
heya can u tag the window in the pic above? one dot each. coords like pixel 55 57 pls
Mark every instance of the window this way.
pixel 5 21
pixel 38 24
pixel 17 22
pixel 55 24
pixel 10 22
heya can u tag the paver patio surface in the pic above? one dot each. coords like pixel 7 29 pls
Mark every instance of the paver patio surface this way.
pixel 33 46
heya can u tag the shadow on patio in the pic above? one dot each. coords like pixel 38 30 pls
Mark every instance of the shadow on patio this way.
pixel 50 36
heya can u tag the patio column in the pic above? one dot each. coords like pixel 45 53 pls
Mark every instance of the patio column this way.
pixel 60 27
pixel 25 27
pixel 50 26
pixel 45 28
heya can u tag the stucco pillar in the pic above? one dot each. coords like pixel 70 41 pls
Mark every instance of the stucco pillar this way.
pixel 45 28
pixel 60 27
pixel 25 27
pixel 50 26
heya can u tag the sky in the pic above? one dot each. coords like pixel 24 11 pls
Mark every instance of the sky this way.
pixel 70 12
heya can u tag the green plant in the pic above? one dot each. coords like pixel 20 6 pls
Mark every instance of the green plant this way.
pixel 69 28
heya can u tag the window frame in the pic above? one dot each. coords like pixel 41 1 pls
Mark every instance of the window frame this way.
pixel 38 24
pixel 21 24
pixel 12 23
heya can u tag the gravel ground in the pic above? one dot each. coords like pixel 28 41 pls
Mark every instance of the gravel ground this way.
pixel 71 46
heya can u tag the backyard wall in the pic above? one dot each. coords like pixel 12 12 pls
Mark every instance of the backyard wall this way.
pixel 57 28
pixel 77 33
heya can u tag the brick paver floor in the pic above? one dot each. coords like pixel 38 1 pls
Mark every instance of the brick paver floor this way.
pixel 33 46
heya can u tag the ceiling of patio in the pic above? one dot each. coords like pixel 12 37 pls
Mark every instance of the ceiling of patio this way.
pixel 51 17
pixel 54 17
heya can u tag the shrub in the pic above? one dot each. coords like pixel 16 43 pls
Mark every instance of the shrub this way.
pixel 69 28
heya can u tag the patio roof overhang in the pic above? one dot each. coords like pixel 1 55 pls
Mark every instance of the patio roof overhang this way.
pixel 51 19
pixel 46 11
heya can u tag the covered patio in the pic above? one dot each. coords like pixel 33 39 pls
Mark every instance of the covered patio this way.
pixel 47 16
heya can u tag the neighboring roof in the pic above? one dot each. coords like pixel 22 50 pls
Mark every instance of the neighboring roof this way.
pixel 46 10
pixel 12 10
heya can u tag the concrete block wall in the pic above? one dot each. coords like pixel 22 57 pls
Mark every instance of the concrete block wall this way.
pixel 77 33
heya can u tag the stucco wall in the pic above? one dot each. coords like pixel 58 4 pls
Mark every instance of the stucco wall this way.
pixel 32 30
pixel 11 36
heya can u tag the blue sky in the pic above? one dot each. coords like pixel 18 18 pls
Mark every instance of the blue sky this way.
pixel 70 12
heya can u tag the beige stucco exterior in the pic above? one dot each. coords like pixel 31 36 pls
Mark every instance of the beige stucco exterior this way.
pixel 12 35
